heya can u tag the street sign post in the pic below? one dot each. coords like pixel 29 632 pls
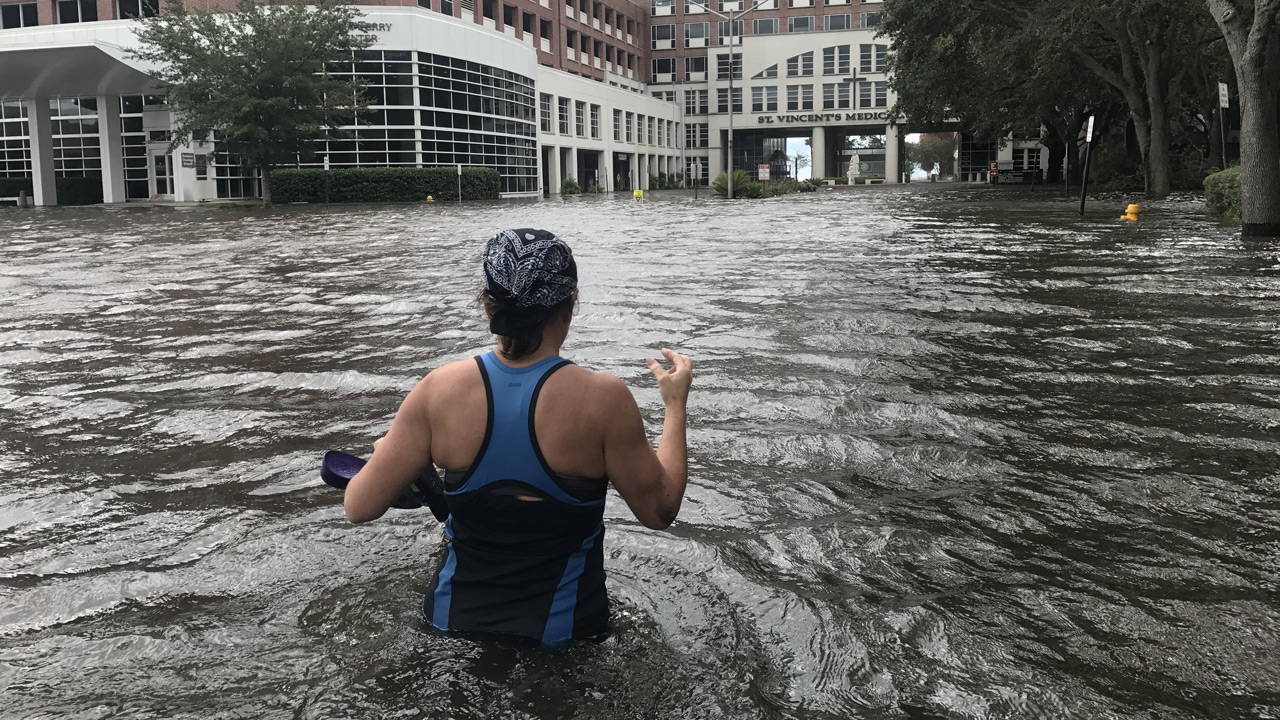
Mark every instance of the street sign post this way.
pixel 459 183
pixel 1224 102
pixel 1088 153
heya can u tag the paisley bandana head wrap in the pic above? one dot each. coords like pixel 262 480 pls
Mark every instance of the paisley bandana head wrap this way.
pixel 526 271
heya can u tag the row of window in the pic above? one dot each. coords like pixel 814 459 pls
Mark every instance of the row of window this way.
pixel 698 34
pixel 764 98
pixel 630 127
pixel 590 49
pixel 696 7
pixel 26 14
pixel 835 61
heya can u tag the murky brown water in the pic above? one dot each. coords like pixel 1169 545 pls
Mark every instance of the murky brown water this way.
pixel 953 456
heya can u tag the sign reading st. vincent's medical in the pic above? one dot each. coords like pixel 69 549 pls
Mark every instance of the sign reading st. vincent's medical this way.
pixel 823 117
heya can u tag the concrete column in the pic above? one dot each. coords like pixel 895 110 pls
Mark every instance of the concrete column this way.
pixel 571 165
pixel 818 149
pixel 642 171
pixel 109 145
pixel 892 164
pixel 553 170
pixel 40 130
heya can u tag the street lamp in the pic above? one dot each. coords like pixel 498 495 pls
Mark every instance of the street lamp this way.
pixel 732 17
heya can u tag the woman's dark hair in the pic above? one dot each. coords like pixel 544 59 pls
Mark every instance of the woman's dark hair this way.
pixel 528 338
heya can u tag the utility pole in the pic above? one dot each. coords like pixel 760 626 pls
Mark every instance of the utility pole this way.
pixel 732 17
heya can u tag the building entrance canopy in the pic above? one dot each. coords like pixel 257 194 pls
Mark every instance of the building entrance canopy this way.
pixel 71 71
pixel 77 60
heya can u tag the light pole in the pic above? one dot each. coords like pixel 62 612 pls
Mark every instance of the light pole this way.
pixel 732 17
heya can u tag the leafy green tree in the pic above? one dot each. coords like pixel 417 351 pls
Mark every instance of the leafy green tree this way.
pixel 1000 68
pixel 254 78
pixel 932 151
pixel 1252 32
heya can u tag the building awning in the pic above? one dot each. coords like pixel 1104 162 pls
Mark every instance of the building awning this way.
pixel 84 70
pixel 73 60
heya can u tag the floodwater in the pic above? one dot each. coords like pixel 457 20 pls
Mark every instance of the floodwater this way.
pixel 955 453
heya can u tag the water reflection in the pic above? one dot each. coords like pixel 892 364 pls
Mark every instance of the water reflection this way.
pixel 952 456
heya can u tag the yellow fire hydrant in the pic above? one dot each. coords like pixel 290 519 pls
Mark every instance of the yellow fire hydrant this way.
pixel 1131 213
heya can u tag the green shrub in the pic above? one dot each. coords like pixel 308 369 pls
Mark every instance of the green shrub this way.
pixel 1222 194
pixel 570 186
pixel 384 184
pixel 595 189
pixel 743 185
pixel 71 190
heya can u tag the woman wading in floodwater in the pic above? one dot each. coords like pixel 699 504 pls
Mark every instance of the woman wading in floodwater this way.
pixel 529 443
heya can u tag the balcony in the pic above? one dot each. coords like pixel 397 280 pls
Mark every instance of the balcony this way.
pixel 571 54
pixel 568 12
pixel 545 44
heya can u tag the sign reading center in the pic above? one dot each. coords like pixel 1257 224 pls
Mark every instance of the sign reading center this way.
pixel 824 117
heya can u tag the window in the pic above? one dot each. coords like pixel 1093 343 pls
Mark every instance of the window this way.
pixel 544 29
pixel 835 60
pixel 695 68
pixel 696 34
pixel 664 69
pixel 580 119
pixel 836 22
pixel 544 111
pixel 800 65
pixel 662 7
pixel 800 23
pixel 729 63
pixel 73 11
pixel 617 126
pixel 769 72
pixel 651 123
pixel 724 31
pixel 835 96
pixel 872 58
pixel 664 37
pixel 882 94
pixel 446 7
pixel 668 95
pixel 864 94
pixel 527 21
pixel 564 116
pixel 695 102
pixel 870 19
pixel 764 99
pixel 764 26
pixel 866 91
pixel 509 15
pixel 137 8
pixel 630 123
pixel 695 136
pixel 488 9
pixel 662 135
pixel 799 97
pixel 722 100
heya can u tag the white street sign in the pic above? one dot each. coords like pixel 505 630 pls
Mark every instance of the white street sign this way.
pixel 1224 96
pixel 1088 136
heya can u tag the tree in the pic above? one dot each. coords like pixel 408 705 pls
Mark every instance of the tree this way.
pixel 1001 68
pixel 801 160
pixel 932 150
pixel 254 79
pixel 1252 32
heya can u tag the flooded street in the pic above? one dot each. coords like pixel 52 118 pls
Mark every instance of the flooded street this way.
pixel 954 453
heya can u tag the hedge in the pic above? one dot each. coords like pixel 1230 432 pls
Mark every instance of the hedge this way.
pixel 385 184
pixel 1222 194
pixel 71 190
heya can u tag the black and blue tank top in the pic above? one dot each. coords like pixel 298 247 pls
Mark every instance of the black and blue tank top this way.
pixel 525 551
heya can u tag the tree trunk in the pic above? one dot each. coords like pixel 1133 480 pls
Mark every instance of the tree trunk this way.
pixel 1259 154
pixel 1057 153
pixel 1157 159
pixel 264 173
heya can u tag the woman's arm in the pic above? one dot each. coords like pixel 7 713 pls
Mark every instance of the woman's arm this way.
pixel 398 457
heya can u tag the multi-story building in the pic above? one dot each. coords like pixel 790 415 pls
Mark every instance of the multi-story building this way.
pixel 773 70
pixel 609 92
